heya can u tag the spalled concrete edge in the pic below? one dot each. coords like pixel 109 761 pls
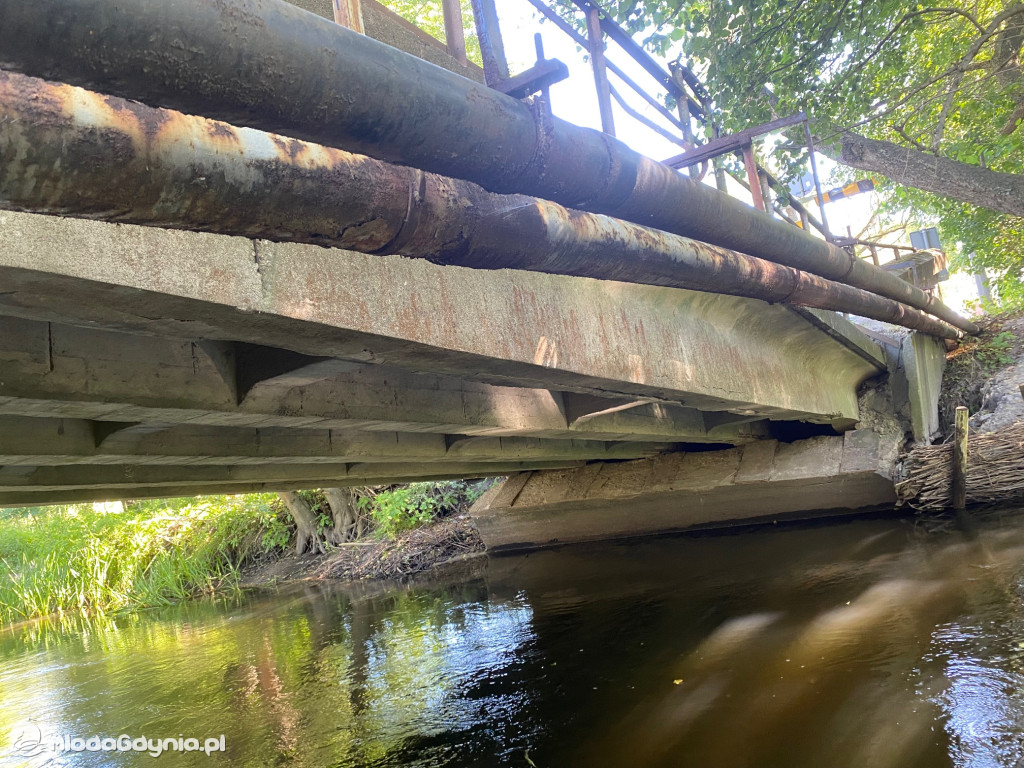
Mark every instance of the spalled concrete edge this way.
pixel 764 481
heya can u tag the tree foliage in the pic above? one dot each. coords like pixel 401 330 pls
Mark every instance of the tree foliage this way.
pixel 429 16
pixel 930 81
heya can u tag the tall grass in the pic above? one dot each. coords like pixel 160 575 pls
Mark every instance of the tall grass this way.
pixel 92 558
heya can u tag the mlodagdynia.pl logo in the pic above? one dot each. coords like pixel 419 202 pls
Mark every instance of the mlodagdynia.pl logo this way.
pixel 29 740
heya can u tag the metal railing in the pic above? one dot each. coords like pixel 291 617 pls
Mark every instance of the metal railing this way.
pixel 692 127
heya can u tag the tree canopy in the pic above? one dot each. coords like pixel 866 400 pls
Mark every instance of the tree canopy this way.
pixel 428 15
pixel 931 97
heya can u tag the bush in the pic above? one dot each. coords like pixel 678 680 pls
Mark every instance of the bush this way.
pixel 402 508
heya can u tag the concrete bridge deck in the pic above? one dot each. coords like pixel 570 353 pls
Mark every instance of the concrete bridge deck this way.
pixel 138 361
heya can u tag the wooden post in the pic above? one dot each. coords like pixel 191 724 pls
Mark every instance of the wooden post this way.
pixel 717 164
pixel 349 14
pixel 960 460
pixel 766 193
pixel 1021 390
pixel 454 37
pixel 492 49
pixel 686 118
pixel 595 41
pixel 752 176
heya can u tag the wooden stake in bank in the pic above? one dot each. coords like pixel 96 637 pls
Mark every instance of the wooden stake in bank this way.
pixel 960 460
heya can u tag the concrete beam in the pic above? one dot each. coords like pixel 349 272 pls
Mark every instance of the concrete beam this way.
pixel 121 480
pixel 543 331
pixel 26 441
pixel 23 498
pixel 55 370
pixel 760 482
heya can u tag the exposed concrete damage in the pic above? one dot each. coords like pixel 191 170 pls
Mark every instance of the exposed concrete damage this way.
pixel 233 310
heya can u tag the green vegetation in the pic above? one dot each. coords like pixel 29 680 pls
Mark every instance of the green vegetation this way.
pixel 997 352
pixel 971 366
pixel 86 557
pixel 109 558
pixel 429 16
pixel 405 507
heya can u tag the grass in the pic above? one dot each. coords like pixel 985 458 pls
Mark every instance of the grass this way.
pixel 99 559
pixel 102 558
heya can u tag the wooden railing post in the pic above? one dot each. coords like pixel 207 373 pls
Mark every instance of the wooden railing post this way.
pixel 752 176
pixel 492 50
pixel 960 459
pixel 454 37
pixel 595 42
pixel 348 13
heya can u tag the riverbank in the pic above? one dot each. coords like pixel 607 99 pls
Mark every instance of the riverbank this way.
pixel 985 374
pixel 448 542
pixel 123 556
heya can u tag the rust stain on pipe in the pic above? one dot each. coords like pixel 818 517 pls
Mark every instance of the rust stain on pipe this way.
pixel 69 151
pixel 270 65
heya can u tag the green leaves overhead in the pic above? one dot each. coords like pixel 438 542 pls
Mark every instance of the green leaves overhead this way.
pixel 428 15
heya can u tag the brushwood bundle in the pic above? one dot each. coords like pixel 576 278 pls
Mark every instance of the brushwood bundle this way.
pixel 995 471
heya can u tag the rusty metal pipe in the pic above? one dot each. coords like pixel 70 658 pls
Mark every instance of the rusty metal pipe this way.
pixel 66 150
pixel 270 65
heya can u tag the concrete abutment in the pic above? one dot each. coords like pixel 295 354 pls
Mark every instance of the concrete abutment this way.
pixel 762 482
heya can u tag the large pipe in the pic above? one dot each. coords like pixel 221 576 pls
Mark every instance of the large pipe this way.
pixel 70 151
pixel 270 65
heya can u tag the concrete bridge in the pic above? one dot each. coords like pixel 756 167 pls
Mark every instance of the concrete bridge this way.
pixel 139 357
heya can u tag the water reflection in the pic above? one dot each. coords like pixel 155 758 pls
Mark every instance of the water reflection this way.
pixel 859 644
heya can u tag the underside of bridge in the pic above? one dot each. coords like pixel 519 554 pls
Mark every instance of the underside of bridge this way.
pixel 243 248
pixel 139 361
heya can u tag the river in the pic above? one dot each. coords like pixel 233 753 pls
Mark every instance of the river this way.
pixel 867 643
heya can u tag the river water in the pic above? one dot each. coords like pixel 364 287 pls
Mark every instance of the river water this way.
pixel 866 643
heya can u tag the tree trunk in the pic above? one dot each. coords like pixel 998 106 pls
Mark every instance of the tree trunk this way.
pixel 1002 192
pixel 344 513
pixel 305 523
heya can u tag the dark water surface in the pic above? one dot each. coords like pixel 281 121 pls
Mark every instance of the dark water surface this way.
pixel 861 644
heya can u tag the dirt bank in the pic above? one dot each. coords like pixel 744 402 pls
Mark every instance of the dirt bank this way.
pixel 985 375
pixel 446 543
